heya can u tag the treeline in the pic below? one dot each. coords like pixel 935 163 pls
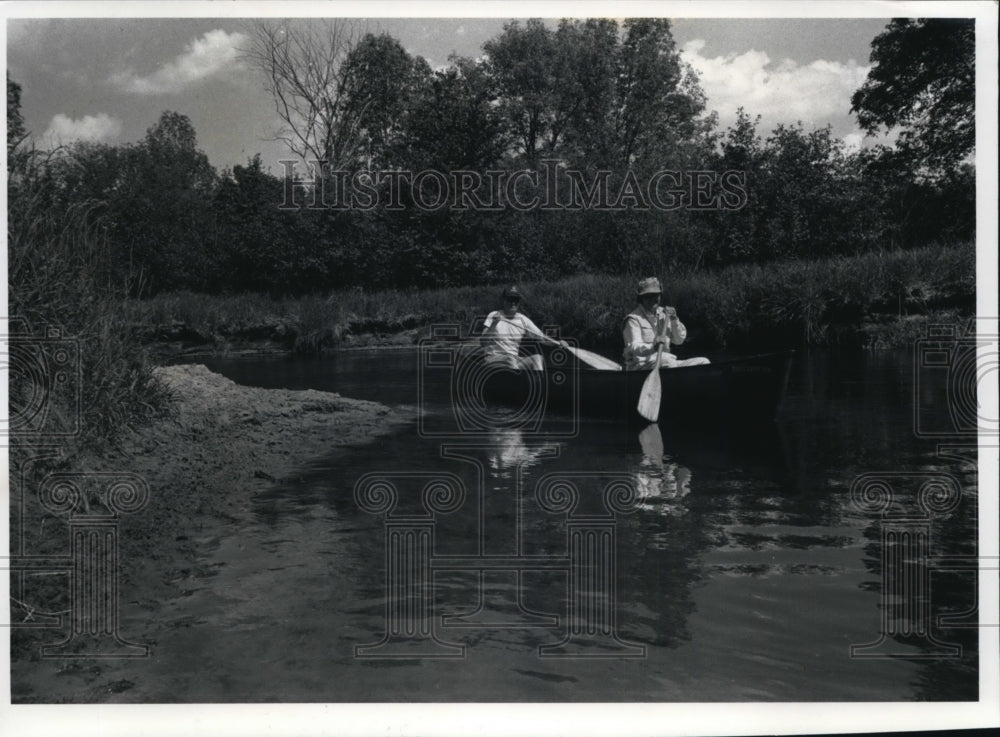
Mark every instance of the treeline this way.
pixel 614 103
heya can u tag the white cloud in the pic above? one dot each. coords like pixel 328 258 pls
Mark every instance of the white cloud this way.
pixel 92 128
pixel 784 92
pixel 852 141
pixel 204 57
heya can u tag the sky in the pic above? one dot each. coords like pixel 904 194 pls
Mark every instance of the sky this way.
pixel 110 79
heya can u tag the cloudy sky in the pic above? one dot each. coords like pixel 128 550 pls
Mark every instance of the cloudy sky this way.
pixel 109 79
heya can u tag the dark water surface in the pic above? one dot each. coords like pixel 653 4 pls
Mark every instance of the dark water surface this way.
pixel 724 567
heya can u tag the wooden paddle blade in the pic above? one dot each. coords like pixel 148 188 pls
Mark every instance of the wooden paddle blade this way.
pixel 595 360
pixel 649 398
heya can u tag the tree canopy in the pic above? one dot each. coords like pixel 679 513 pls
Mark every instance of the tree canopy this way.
pixel 923 81
pixel 609 108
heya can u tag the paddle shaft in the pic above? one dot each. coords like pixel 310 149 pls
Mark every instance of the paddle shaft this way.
pixel 536 333
pixel 652 390
pixel 590 359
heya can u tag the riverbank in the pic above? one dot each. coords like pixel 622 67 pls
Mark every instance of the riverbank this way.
pixel 874 300
pixel 222 445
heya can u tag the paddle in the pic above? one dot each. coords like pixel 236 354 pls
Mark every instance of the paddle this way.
pixel 649 397
pixel 651 442
pixel 591 359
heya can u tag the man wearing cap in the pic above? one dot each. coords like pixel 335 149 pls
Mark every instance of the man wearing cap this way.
pixel 648 327
pixel 503 331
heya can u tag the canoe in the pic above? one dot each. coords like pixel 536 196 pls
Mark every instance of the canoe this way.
pixel 739 391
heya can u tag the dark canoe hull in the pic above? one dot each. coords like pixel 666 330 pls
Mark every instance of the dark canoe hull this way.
pixel 738 391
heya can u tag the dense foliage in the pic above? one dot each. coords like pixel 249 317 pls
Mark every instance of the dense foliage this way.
pixel 923 80
pixel 77 372
pixel 588 102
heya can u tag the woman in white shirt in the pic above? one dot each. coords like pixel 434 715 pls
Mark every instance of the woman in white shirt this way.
pixel 503 331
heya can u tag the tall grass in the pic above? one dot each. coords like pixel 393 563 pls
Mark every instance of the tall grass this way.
pixel 60 297
pixel 838 300
pixel 829 301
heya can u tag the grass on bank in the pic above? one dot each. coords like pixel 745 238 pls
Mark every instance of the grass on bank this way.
pixel 78 374
pixel 874 300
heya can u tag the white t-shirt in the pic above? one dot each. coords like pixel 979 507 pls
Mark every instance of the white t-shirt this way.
pixel 504 333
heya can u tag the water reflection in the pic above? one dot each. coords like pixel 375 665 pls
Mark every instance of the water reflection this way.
pixel 507 450
pixel 658 479
pixel 744 570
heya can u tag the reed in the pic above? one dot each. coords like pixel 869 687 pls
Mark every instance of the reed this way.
pixel 830 301
pixel 79 374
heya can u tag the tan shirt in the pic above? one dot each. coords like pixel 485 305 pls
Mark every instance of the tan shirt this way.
pixel 640 330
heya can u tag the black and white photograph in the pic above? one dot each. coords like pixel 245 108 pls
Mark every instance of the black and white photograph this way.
pixel 535 368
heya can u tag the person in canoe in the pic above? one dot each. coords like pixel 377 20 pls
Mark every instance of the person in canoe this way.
pixel 503 331
pixel 650 326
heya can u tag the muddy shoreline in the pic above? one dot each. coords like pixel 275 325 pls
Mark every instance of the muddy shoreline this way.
pixel 180 342
pixel 222 444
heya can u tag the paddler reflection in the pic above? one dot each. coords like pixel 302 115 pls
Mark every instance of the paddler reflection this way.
pixel 658 480
pixel 508 450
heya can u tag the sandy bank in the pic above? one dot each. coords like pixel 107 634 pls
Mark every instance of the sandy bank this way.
pixel 221 445
pixel 226 442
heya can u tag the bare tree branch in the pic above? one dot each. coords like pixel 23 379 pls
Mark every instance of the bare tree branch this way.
pixel 303 67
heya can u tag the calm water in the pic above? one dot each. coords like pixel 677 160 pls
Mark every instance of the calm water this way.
pixel 741 569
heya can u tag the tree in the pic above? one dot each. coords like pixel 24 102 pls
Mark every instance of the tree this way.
pixel 521 60
pixel 658 96
pixel 454 122
pixel 263 248
pixel 16 131
pixel 172 155
pixel 381 83
pixel 800 182
pixel 741 151
pixel 586 53
pixel 923 81
pixel 603 94
pixel 169 212
pixel 152 200
pixel 303 64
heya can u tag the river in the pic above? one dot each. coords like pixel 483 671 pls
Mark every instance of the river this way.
pixel 724 567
